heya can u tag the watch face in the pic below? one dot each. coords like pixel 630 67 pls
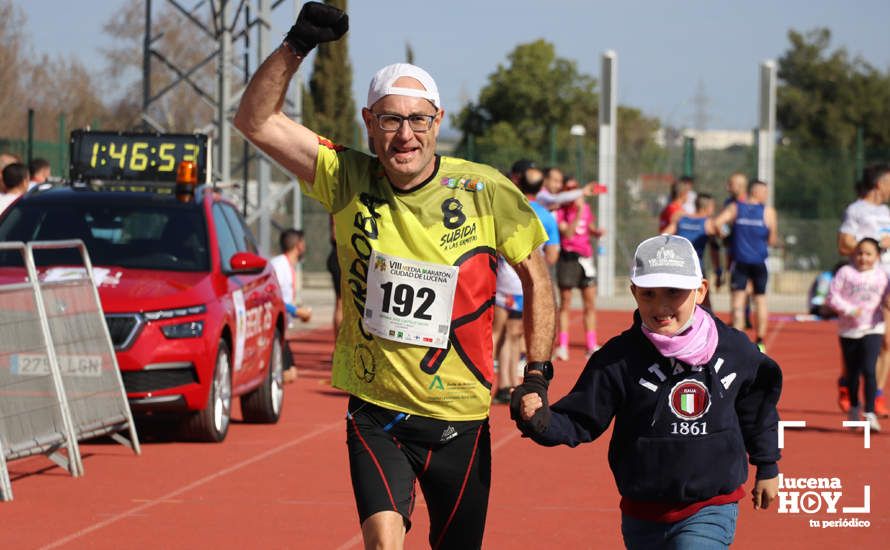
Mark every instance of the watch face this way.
pixel 544 367
pixel 135 156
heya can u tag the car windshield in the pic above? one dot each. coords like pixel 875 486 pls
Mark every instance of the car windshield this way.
pixel 169 236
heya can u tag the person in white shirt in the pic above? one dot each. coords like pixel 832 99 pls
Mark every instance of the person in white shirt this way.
pixel 552 196
pixel 285 265
pixel 868 217
pixel 15 180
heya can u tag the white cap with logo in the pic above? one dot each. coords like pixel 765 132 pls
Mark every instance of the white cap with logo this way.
pixel 666 261
pixel 382 83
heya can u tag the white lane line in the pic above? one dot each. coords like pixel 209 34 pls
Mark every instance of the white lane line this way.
pixel 351 543
pixel 514 433
pixel 166 498
pixel 771 337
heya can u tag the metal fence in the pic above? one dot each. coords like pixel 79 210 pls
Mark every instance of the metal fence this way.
pixel 54 152
pixel 812 189
pixel 59 376
pixel 90 374
pixel 34 415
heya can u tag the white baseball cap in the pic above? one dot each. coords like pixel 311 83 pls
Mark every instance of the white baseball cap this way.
pixel 667 261
pixel 383 83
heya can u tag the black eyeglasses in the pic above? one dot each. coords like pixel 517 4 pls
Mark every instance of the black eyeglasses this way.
pixel 417 123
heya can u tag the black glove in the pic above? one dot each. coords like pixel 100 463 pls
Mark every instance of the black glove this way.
pixel 316 23
pixel 540 421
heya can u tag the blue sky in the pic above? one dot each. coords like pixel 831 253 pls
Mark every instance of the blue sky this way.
pixel 666 50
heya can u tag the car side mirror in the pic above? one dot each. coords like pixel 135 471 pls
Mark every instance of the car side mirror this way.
pixel 245 262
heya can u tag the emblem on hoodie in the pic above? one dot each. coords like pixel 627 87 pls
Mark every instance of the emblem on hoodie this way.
pixel 689 399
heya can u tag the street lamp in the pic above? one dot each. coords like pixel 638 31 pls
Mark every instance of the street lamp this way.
pixel 578 131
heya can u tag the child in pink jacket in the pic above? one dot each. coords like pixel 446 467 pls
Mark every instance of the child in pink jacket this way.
pixel 858 294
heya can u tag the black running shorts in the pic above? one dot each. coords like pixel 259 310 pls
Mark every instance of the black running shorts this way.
pixel 742 273
pixel 390 451
pixel 570 273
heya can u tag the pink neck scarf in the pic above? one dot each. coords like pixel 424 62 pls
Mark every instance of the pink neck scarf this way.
pixel 694 345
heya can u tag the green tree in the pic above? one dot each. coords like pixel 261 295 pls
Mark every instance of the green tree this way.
pixel 525 100
pixel 535 91
pixel 824 96
pixel 332 110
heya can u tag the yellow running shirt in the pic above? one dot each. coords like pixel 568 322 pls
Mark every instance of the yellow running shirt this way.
pixel 463 216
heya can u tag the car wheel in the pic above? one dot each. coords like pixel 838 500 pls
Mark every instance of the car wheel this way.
pixel 264 403
pixel 212 423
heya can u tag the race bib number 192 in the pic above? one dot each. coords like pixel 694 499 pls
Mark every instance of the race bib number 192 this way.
pixel 410 301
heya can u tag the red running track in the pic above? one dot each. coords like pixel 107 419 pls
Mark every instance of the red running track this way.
pixel 287 485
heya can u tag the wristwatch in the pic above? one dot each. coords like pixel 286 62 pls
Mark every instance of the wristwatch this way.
pixel 543 367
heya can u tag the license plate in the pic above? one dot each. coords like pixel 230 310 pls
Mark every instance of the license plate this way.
pixel 24 364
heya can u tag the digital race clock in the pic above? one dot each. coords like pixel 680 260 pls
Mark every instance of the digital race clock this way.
pixel 136 156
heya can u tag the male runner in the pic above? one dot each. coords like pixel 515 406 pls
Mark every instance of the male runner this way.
pixel 754 229
pixel 417 238
pixel 699 229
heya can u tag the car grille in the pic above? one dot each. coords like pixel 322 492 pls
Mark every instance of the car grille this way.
pixel 142 381
pixel 123 329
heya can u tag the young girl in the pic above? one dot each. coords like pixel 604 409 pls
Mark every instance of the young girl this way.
pixel 858 293
pixel 693 401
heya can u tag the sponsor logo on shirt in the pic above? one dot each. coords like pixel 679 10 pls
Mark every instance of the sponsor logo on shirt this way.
pixel 467 184
pixel 461 236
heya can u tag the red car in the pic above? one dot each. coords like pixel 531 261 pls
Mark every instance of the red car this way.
pixel 195 314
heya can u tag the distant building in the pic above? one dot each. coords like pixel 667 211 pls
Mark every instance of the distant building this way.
pixel 705 139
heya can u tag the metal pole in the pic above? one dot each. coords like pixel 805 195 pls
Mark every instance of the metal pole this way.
pixel 296 91
pixel 607 173
pixel 766 136
pixel 245 153
pixel 224 162
pixel 30 151
pixel 63 147
pixel 264 170
pixel 146 63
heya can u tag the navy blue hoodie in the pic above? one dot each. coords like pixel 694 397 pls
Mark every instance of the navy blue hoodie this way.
pixel 682 434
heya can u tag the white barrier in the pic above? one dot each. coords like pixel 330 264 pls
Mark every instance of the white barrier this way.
pixel 74 352
pixel 34 415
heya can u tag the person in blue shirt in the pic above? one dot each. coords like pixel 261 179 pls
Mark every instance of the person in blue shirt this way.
pixel 698 228
pixel 754 229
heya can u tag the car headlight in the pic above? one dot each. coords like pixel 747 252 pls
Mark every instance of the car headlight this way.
pixel 173 313
pixel 192 329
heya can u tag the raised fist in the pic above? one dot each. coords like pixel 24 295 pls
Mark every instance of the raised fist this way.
pixel 316 23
